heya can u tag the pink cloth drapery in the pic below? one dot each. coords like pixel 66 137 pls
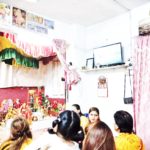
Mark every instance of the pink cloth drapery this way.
pixel 57 46
pixel 36 51
pixel 72 77
pixel 141 85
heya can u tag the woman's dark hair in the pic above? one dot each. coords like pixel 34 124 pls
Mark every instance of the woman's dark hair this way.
pixel 78 108
pixel 20 131
pixel 68 124
pixel 94 109
pixel 124 121
pixel 99 137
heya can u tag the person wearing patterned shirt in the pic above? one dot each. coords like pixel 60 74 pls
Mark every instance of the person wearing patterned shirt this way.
pixel 126 139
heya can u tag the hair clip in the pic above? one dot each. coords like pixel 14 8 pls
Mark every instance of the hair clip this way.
pixel 59 120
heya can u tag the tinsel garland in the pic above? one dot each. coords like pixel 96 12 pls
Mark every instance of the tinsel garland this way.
pixel 5 43
pixel 12 57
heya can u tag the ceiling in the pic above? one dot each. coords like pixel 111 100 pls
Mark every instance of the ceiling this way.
pixel 82 12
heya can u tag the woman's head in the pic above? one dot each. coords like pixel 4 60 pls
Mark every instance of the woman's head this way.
pixel 20 131
pixel 94 115
pixel 99 137
pixel 67 124
pixel 76 108
pixel 20 128
pixel 124 121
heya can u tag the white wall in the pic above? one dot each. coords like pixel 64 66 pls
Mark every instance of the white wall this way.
pixel 119 29
pixel 82 40
pixel 76 50
pixel 85 93
pixel 108 32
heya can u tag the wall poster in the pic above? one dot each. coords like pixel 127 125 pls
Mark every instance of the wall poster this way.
pixel 38 24
pixel 10 15
pixel 102 87
pixel 19 17
pixel 5 14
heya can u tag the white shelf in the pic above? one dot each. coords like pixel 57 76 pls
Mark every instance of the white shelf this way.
pixel 105 68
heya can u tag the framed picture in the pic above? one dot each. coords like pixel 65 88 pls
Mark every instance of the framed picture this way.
pixel 90 63
pixel 102 88
pixel 19 17
pixel 5 14
pixel 49 24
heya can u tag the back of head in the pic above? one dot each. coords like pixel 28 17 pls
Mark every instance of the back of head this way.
pixel 20 131
pixel 99 137
pixel 68 124
pixel 76 106
pixel 124 121
pixel 78 109
pixel 19 128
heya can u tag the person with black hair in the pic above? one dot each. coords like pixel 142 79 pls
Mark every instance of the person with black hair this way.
pixel 61 135
pixel 127 139
pixel 83 120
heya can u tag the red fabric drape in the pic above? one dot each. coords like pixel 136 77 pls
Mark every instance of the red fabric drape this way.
pixel 141 85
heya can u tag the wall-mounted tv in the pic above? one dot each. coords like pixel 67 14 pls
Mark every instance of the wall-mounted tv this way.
pixel 108 55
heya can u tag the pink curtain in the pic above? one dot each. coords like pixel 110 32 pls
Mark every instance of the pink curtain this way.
pixel 141 85
pixel 72 75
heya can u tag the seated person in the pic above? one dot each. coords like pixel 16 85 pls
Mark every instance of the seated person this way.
pixel 65 128
pixel 83 120
pixel 99 137
pixel 126 140
pixel 20 135
pixel 93 117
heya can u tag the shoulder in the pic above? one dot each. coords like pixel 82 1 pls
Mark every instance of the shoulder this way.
pixel 126 141
pixel 76 146
pixel 27 142
pixel 128 137
pixel 84 119
pixel 42 141
pixel 6 145
pixel 73 146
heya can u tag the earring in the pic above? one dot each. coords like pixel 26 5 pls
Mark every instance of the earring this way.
pixel 116 127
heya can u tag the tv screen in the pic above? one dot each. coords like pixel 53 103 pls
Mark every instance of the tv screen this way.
pixel 108 55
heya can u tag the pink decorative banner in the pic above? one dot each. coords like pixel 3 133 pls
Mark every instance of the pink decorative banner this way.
pixel 58 47
pixel 72 77
pixel 29 48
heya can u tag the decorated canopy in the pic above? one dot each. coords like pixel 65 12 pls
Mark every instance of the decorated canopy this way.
pixel 18 53
pixel 15 52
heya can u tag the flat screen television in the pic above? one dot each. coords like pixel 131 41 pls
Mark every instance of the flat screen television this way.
pixel 108 55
